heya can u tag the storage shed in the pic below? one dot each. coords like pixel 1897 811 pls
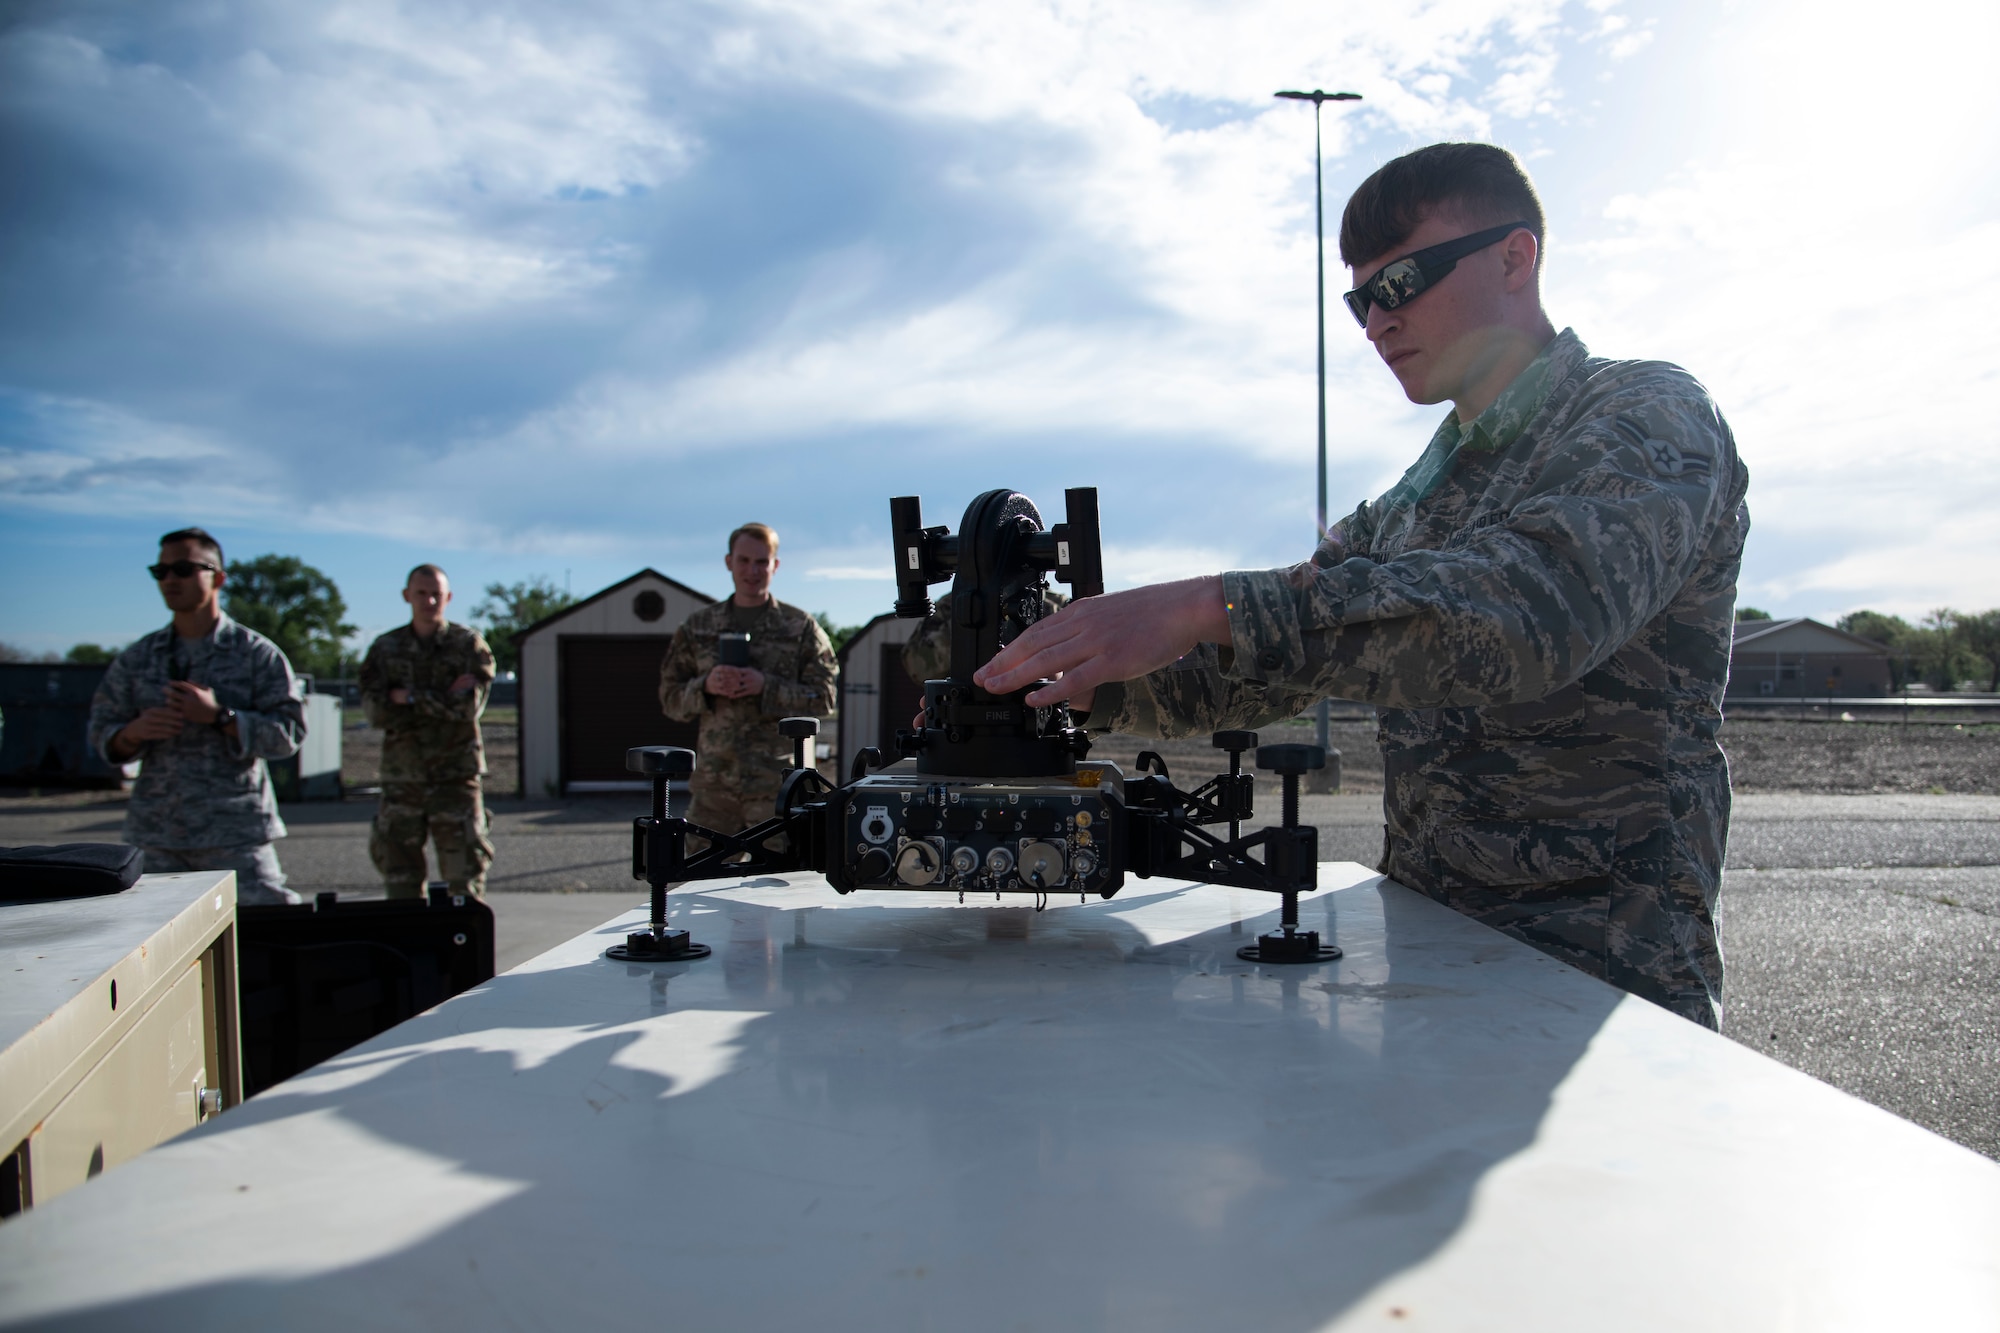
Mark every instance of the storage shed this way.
pixel 590 685
pixel 1802 659
pixel 876 695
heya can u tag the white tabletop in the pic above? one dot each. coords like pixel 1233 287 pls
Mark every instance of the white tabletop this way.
pixel 888 1111
pixel 51 948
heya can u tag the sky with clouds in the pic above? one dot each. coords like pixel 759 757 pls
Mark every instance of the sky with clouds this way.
pixel 571 290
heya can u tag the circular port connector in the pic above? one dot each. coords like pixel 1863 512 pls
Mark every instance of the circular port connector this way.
pixel 1043 865
pixel 999 862
pixel 964 861
pixel 918 863
pixel 1085 863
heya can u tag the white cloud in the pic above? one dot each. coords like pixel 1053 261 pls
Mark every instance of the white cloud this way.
pixel 582 270
pixel 1130 566
pixel 1825 272
pixel 878 573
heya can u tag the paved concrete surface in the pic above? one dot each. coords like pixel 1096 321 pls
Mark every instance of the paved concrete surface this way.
pixel 1885 983
pixel 1862 932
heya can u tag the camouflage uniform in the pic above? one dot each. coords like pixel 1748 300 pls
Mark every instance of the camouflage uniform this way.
pixel 927 653
pixel 432 757
pixel 743 758
pixel 203 801
pixel 1541 610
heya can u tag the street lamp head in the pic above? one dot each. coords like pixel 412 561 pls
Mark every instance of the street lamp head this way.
pixel 1316 96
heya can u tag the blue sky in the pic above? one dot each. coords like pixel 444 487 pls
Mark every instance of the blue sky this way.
pixel 567 291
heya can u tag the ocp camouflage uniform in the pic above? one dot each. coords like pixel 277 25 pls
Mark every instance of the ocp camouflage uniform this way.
pixel 203 801
pixel 1541 609
pixel 742 756
pixel 432 757
pixel 927 653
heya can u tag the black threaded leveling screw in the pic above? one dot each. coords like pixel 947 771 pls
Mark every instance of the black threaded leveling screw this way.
pixel 664 765
pixel 1293 853
pixel 1235 742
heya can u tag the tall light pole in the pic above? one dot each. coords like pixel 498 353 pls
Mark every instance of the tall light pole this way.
pixel 1316 97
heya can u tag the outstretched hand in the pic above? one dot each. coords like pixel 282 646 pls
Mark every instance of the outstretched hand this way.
pixel 1118 636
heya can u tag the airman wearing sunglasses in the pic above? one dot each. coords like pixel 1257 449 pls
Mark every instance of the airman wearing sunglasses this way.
pixel 1540 608
pixel 202 705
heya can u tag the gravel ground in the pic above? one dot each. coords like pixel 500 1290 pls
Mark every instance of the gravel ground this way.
pixel 1885 984
pixel 1769 754
pixel 1765 755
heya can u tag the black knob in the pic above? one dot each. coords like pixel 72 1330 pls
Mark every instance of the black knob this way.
pixel 1236 740
pixel 873 867
pixel 798 728
pixel 1291 758
pixel 668 761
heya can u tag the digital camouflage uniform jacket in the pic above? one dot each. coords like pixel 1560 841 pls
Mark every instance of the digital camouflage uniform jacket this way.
pixel 741 750
pixel 1541 610
pixel 200 789
pixel 434 737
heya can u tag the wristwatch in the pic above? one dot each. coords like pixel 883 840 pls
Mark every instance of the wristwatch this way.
pixel 223 718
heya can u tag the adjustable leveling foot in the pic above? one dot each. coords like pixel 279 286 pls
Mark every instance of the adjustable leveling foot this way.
pixel 667 766
pixel 657 944
pixel 1289 944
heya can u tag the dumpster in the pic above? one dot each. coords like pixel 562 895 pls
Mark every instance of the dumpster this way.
pixel 313 774
pixel 44 722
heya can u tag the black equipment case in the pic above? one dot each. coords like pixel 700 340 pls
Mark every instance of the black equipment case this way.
pixel 319 977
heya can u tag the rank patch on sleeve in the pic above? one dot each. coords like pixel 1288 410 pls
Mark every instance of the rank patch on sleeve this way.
pixel 1665 456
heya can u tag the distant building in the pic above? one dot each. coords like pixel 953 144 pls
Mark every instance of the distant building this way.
pixel 1801 658
pixel 876 695
pixel 590 685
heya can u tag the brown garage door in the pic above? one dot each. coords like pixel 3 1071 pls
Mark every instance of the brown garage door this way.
pixel 610 703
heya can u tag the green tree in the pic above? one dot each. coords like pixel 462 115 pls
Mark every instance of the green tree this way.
pixel 510 608
pixel 1751 613
pixel 293 605
pixel 1892 632
pixel 1937 649
pixel 1889 631
pixel 840 634
pixel 1980 635
pixel 90 654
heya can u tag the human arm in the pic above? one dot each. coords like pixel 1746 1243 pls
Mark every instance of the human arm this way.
pixel 1600 542
pixel 1191 697
pixel 196 706
pixel 683 670
pixel 153 724
pixel 810 690
pixel 1116 636
pixel 120 724
pixel 377 690
pixel 1509 610
pixel 464 698
pixel 733 682
pixel 274 723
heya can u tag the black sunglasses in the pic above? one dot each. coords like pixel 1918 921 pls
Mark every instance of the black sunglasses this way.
pixel 1405 279
pixel 180 569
